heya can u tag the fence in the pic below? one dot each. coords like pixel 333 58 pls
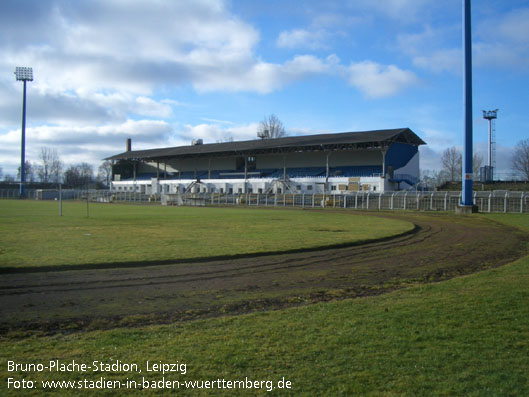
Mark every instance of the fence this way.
pixel 496 201
pixel 517 202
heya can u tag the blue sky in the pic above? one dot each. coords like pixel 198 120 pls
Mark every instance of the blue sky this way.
pixel 166 72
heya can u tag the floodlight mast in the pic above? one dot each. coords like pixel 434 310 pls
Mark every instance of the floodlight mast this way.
pixel 466 199
pixel 23 74
pixel 490 115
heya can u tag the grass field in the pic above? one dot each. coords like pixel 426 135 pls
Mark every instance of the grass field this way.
pixel 32 234
pixel 465 336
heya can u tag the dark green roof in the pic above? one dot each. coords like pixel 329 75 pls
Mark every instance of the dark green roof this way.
pixel 322 142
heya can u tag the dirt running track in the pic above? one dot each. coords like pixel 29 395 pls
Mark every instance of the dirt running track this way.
pixel 440 247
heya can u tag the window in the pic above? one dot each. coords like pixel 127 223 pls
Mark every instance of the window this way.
pixel 222 190
pixel 333 187
pixel 374 188
pixel 250 190
pixel 240 190
pixel 298 187
pixel 230 191
pixel 260 191
pixel 309 187
pixel 279 190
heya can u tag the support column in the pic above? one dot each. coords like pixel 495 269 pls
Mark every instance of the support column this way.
pixel 384 151
pixel 245 173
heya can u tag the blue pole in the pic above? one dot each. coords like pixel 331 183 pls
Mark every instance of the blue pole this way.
pixel 466 197
pixel 23 146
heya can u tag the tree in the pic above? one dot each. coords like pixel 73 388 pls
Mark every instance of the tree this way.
pixel 51 166
pixel 79 176
pixel 452 160
pixel 520 159
pixel 105 173
pixel 271 127
pixel 452 163
pixel 477 162
pixel 1 173
pixel 433 178
pixel 29 171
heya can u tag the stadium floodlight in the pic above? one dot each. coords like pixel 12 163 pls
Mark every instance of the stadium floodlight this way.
pixel 23 74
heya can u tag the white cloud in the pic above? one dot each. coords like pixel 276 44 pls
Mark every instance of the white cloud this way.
pixel 90 143
pixel 428 51
pixel 444 60
pixel 217 132
pixel 377 81
pixel 507 44
pixel 302 38
pixel 404 11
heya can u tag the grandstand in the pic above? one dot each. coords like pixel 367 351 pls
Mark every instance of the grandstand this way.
pixel 377 161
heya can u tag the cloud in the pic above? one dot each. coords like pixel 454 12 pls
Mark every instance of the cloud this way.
pixel 78 47
pixel 507 45
pixel 444 60
pixel 428 50
pixel 216 132
pixel 377 81
pixel 403 11
pixel 301 38
pixel 90 143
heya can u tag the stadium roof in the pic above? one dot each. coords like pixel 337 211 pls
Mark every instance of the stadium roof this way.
pixel 323 142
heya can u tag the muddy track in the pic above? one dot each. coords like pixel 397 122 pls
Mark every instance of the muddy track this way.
pixel 440 247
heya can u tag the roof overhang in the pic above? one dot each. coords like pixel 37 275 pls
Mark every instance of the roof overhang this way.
pixel 379 139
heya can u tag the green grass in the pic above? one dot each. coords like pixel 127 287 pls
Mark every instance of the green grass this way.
pixel 465 336
pixel 32 234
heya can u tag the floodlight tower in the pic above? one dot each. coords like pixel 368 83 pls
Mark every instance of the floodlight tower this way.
pixel 466 198
pixel 491 115
pixel 23 74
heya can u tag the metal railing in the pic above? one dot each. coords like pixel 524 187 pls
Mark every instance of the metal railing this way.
pixel 495 201
pixel 517 202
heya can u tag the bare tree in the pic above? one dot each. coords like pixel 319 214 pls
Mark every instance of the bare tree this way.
pixel 271 127
pixel 453 164
pixel 477 162
pixel 452 161
pixel 79 176
pixel 29 171
pixel 520 159
pixel 105 173
pixel 51 166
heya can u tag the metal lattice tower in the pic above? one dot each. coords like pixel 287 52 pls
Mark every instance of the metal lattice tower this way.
pixel 491 116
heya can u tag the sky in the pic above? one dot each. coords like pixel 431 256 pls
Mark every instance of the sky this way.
pixel 166 72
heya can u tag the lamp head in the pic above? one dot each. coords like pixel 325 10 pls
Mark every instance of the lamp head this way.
pixel 24 74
